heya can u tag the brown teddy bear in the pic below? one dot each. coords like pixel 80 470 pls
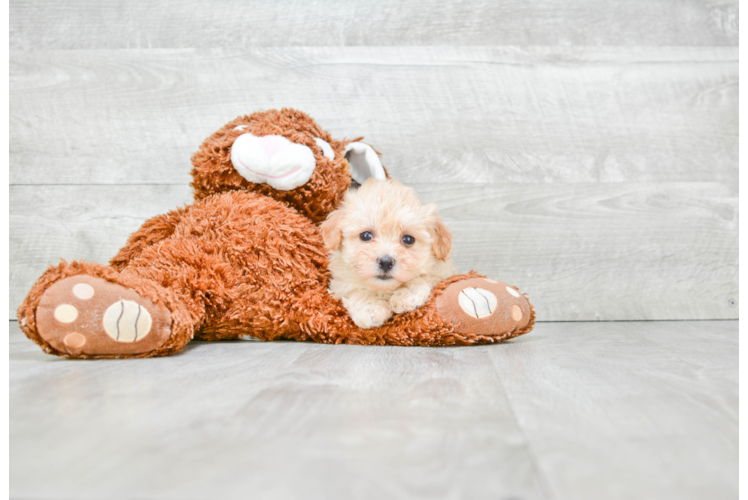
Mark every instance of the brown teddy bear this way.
pixel 247 258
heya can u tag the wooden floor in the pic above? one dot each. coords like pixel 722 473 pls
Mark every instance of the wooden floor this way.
pixel 743 414
pixel 617 410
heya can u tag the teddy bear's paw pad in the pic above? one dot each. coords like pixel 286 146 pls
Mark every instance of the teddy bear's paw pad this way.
pixel 84 315
pixel 484 306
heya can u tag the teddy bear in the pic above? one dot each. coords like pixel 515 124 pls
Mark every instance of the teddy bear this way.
pixel 247 258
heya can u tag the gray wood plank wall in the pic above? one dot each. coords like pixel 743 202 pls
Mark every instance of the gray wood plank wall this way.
pixel 118 24
pixel 583 151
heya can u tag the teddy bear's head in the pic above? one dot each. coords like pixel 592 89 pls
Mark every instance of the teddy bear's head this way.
pixel 283 154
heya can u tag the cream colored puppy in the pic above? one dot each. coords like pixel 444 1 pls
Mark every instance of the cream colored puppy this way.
pixel 387 251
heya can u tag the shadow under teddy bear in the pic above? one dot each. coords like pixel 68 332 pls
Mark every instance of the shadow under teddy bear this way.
pixel 247 258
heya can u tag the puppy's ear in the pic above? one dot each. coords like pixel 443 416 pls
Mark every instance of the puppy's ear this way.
pixel 332 233
pixel 442 239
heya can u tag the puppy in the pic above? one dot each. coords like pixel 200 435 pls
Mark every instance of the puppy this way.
pixel 387 251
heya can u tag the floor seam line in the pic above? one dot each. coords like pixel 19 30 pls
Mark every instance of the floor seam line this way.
pixel 544 483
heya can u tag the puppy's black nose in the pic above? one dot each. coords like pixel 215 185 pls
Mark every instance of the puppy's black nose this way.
pixel 386 263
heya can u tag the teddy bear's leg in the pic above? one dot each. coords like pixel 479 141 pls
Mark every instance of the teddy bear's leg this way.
pixel 484 310
pixel 463 309
pixel 86 310
pixel 154 230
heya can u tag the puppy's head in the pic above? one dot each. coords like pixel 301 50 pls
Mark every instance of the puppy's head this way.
pixel 384 234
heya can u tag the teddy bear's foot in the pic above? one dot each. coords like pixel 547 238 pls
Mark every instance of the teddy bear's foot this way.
pixel 82 316
pixel 485 308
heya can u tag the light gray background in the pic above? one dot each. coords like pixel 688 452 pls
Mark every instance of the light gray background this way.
pixel 583 150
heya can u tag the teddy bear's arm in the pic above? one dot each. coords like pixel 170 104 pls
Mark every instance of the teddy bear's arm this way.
pixel 152 231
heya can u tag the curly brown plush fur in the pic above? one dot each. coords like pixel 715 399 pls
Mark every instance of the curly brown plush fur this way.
pixel 245 259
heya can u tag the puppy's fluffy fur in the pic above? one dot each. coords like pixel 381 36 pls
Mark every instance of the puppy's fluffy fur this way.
pixel 387 251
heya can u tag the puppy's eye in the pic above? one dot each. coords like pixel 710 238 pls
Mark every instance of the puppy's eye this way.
pixel 366 236
pixel 408 240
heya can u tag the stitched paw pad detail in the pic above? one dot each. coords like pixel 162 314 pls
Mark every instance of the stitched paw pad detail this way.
pixel 83 315
pixel 477 302
pixel 483 306
pixel 127 321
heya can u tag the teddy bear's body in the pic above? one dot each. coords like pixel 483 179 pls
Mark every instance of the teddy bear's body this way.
pixel 243 259
pixel 235 260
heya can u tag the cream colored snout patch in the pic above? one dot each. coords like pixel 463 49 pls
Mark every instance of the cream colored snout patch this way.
pixel 272 160
pixel 477 302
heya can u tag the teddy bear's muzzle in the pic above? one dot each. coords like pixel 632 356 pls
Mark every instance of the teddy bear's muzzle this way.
pixel 273 160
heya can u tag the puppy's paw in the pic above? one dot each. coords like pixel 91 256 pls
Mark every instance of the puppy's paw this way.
pixel 407 299
pixel 368 315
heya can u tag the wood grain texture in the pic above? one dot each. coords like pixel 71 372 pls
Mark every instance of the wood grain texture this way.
pixel 743 410
pixel 571 411
pixel 443 114
pixel 740 202
pixel 213 23
pixel 628 410
pixel 592 251
pixel 267 420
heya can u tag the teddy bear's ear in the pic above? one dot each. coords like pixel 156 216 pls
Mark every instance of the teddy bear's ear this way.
pixel 364 162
